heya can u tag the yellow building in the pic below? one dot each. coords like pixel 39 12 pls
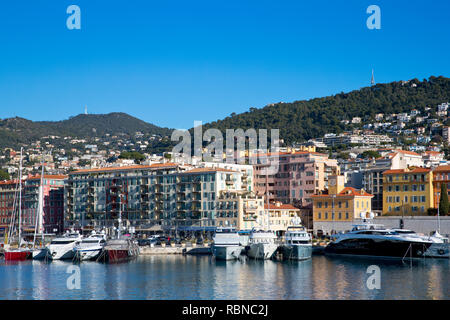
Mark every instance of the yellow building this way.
pixel 407 191
pixel 340 203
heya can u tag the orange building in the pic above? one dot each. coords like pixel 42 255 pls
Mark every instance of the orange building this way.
pixel 441 175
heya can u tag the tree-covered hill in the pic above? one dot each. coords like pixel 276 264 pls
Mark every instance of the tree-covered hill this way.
pixel 302 120
pixel 19 130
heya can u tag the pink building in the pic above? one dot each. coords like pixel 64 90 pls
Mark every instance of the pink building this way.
pixel 53 192
pixel 300 175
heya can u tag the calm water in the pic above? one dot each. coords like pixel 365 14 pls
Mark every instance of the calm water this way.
pixel 201 277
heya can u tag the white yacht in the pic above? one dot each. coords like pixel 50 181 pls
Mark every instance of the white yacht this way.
pixel 375 240
pixel 262 244
pixel 228 244
pixel 91 247
pixel 60 248
pixel 298 243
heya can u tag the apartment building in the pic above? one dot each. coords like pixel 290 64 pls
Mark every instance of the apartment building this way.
pixel 340 203
pixel 7 198
pixel 299 176
pixel 53 202
pixel 441 175
pixel 168 194
pixel 407 191
pixel 239 209
pixel 372 180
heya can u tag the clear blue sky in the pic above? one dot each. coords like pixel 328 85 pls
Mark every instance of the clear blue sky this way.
pixel 173 62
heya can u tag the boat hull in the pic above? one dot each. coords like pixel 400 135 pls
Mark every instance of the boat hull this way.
pixel 65 253
pixel 227 252
pixel 41 254
pixel 17 255
pixel 88 254
pixel 261 251
pixel 119 255
pixel 297 252
pixel 369 247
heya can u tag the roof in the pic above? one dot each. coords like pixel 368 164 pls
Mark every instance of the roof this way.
pixel 412 153
pixel 273 206
pixel 442 169
pixel 436 153
pixel 412 170
pixel 286 153
pixel 136 167
pixel 4 182
pixel 346 192
pixel 47 176
pixel 205 170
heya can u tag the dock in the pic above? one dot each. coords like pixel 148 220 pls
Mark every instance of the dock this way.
pixel 169 250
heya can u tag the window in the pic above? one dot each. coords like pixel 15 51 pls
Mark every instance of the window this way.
pixel 340 215
pixel 405 188
pixel 320 215
pixel 346 215
pixel 397 188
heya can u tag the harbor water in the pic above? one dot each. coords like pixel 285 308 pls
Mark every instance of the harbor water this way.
pixel 202 277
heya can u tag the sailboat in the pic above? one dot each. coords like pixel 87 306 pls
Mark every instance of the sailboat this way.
pixel 19 253
pixel 39 253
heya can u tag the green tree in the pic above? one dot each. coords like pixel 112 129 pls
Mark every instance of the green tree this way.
pixel 4 175
pixel 136 156
pixel 443 202
pixel 370 154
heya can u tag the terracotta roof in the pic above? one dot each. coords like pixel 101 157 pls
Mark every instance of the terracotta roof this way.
pixel 415 170
pixel 136 167
pixel 4 182
pixel 47 176
pixel 348 191
pixel 408 152
pixel 433 152
pixel 286 153
pixel 273 206
pixel 442 169
pixel 202 170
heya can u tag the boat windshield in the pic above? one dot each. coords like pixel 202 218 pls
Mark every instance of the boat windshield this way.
pixel 62 241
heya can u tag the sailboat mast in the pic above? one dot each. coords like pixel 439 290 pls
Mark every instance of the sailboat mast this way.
pixel 41 202
pixel 20 196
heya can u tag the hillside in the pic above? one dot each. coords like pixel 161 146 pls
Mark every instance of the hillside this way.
pixel 302 120
pixel 16 130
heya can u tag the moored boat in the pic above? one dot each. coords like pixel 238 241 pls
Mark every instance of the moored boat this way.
pixel 262 245
pixel 91 247
pixel 368 239
pixel 228 244
pixel 298 244
pixel 123 249
pixel 61 248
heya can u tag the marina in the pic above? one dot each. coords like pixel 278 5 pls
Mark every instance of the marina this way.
pixel 202 277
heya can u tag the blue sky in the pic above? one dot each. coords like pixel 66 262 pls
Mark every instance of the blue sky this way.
pixel 173 62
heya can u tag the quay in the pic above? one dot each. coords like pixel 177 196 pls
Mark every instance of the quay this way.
pixel 169 250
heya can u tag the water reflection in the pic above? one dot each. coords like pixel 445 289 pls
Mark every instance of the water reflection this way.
pixel 202 277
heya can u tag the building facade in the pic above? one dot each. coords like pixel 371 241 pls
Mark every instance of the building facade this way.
pixel 299 176
pixel 340 203
pixel 407 191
